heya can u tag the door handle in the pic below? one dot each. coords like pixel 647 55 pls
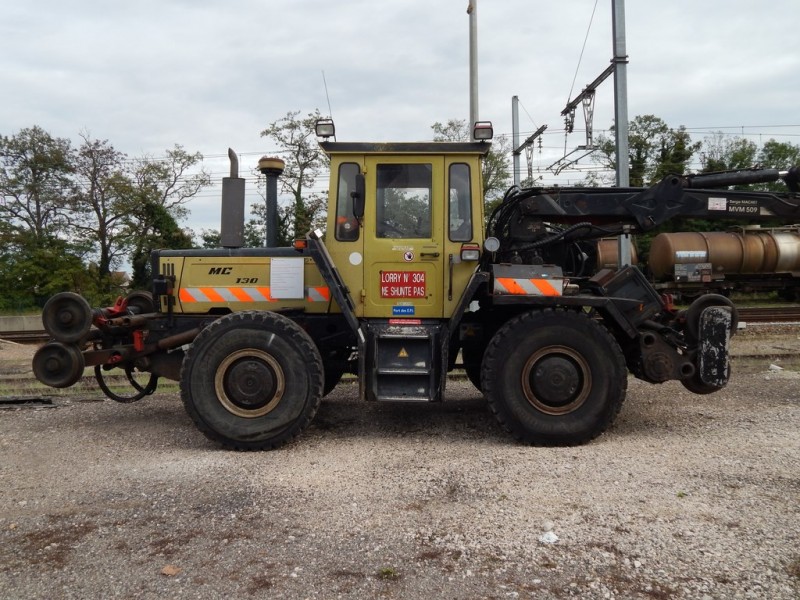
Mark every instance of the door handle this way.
pixel 431 254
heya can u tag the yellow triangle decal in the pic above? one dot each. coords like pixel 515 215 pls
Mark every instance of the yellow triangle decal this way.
pixel 403 353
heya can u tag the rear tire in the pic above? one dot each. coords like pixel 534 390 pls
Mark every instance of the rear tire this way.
pixel 554 377
pixel 252 380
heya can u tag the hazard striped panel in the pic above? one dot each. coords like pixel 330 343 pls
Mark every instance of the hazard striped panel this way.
pixel 318 294
pixel 244 294
pixel 527 287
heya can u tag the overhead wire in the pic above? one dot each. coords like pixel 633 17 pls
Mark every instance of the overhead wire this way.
pixel 583 48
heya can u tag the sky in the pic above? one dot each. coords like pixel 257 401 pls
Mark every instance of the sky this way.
pixel 209 75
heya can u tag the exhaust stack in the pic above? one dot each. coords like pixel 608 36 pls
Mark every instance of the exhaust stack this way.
pixel 232 220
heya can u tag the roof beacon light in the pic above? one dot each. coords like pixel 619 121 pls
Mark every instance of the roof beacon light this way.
pixel 483 131
pixel 325 128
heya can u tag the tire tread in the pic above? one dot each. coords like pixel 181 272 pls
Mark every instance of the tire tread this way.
pixel 280 325
pixel 493 358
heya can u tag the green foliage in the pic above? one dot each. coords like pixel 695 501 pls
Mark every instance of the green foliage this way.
pixel 255 230
pixel 305 162
pixel 721 154
pixel 495 166
pixel 100 204
pixel 778 155
pixel 160 230
pixel 655 150
pixel 388 573
pixel 254 236
pixel 69 217
pixel 159 189
pixel 35 181
pixel 32 270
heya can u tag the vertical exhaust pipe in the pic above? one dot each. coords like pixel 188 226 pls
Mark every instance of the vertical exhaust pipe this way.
pixel 232 219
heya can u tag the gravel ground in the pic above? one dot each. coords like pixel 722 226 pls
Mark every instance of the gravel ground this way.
pixel 685 497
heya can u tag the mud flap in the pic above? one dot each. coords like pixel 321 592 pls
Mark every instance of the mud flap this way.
pixel 713 357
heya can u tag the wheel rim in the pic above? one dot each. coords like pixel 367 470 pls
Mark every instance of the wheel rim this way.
pixel 556 380
pixel 249 383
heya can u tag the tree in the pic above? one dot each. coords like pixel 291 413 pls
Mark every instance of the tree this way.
pixel 655 150
pixel 495 165
pixel 36 258
pixel 721 154
pixel 254 233
pixel 68 217
pixel 101 203
pixel 778 155
pixel 305 162
pixel 35 182
pixel 156 193
pixel 162 231
pixel 32 270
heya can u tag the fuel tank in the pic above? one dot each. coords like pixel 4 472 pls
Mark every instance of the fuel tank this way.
pixel 750 250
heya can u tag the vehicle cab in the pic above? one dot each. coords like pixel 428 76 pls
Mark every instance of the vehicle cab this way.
pixel 405 223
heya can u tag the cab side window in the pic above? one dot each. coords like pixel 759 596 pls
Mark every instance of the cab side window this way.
pixel 403 203
pixel 460 203
pixel 347 226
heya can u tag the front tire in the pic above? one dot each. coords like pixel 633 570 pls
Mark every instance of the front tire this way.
pixel 252 380
pixel 554 377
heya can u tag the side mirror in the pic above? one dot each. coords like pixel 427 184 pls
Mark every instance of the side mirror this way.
pixel 358 197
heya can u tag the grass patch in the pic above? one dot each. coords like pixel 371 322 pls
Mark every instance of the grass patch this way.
pixel 388 574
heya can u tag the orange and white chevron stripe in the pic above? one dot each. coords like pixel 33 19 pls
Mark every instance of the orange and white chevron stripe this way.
pixel 527 287
pixel 244 294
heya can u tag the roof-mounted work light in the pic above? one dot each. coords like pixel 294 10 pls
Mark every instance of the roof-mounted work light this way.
pixel 325 128
pixel 483 131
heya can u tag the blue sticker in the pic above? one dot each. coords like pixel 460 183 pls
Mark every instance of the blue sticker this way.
pixel 399 311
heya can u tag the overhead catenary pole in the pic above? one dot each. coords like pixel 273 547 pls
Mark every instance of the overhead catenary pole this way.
pixel 515 135
pixel 517 148
pixel 472 11
pixel 620 61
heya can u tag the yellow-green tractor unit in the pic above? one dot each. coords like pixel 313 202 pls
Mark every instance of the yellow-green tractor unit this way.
pixel 410 280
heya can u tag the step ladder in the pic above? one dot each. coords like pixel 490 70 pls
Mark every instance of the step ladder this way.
pixel 405 363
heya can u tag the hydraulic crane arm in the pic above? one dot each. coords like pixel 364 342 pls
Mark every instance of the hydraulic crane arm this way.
pixel 597 212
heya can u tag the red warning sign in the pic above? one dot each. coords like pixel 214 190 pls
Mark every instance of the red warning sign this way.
pixel 403 284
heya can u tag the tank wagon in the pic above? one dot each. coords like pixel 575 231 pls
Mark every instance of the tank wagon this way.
pixel 746 259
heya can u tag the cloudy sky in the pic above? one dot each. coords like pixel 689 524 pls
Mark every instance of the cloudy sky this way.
pixel 208 74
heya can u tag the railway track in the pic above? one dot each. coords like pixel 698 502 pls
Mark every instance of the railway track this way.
pixel 769 314
pixel 749 314
pixel 25 337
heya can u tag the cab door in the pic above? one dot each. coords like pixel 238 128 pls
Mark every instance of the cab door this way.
pixel 403 237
